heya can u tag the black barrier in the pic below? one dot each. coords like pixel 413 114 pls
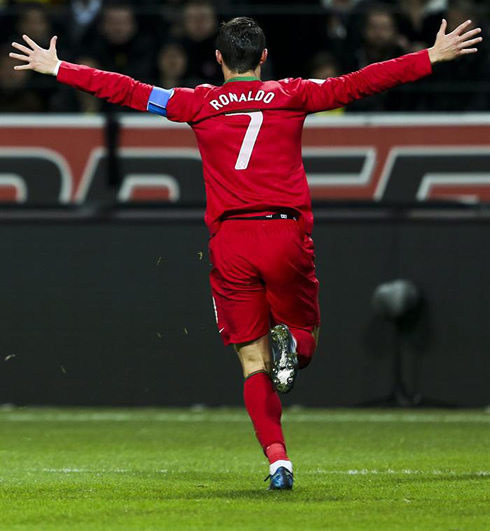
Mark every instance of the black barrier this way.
pixel 116 310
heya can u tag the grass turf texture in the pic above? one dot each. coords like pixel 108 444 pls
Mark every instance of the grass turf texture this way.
pixel 96 469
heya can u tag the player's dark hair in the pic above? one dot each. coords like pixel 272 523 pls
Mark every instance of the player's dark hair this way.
pixel 241 42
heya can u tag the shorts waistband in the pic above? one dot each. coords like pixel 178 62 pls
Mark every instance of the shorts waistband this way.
pixel 267 216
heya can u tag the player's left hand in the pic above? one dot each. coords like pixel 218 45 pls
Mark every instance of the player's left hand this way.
pixel 455 44
pixel 36 58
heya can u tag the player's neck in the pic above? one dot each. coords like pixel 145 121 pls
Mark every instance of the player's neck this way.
pixel 245 76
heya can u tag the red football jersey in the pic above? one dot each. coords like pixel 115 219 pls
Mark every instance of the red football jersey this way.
pixel 249 137
pixel 249 131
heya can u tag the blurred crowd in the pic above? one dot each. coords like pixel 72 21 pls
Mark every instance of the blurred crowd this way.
pixel 171 43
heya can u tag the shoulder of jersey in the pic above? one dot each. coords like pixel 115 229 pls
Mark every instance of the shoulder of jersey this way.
pixel 290 81
pixel 290 84
pixel 287 83
pixel 205 87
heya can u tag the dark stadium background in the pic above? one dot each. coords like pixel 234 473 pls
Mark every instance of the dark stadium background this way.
pixel 103 270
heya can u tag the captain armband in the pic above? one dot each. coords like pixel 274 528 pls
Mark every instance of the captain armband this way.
pixel 157 102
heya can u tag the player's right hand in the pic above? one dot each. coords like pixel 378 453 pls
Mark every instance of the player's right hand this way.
pixel 36 58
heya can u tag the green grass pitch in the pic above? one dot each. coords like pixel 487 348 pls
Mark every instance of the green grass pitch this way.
pixel 150 469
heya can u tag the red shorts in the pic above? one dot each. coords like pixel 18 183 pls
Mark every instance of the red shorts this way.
pixel 263 274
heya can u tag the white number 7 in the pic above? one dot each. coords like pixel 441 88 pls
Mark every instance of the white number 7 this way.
pixel 256 119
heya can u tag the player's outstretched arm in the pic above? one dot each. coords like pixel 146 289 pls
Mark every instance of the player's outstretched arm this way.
pixel 452 45
pixel 378 77
pixel 110 86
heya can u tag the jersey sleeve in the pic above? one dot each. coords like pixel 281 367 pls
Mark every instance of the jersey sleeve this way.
pixel 183 106
pixel 178 105
pixel 110 86
pixel 321 95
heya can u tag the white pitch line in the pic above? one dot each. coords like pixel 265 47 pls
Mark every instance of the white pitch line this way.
pixel 405 472
pixel 92 471
pixel 239 417
pixel 352 472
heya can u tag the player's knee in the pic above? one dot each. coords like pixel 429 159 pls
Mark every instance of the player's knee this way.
pixel 254 356
pixel 251 364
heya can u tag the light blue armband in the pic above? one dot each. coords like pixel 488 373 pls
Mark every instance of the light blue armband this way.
pixel 157 102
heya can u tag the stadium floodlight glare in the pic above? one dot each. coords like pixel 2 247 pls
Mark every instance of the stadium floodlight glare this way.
pixel 397 300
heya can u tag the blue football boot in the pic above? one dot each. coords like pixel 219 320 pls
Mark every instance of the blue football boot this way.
pixel 284 358
pixel 282 479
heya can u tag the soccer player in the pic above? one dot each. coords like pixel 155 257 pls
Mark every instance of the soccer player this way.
pixel 258 203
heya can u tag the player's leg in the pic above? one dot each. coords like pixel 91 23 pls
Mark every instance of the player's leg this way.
pixel 264 408
pixel 242 315
pixel 254 356
pixel 292 292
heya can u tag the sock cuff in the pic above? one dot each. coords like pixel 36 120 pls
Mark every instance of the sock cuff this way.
pixel 278 464
pixel 262 371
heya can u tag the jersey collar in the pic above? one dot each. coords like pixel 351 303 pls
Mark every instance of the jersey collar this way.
pixel 242 78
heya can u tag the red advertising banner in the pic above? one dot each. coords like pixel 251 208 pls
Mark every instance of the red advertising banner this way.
pixel 396 158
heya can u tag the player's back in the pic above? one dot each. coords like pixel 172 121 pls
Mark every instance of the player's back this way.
pixel 249 136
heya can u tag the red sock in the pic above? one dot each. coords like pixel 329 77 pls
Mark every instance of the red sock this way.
pixel 276 452
pixel 265 409
pixel 305 346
